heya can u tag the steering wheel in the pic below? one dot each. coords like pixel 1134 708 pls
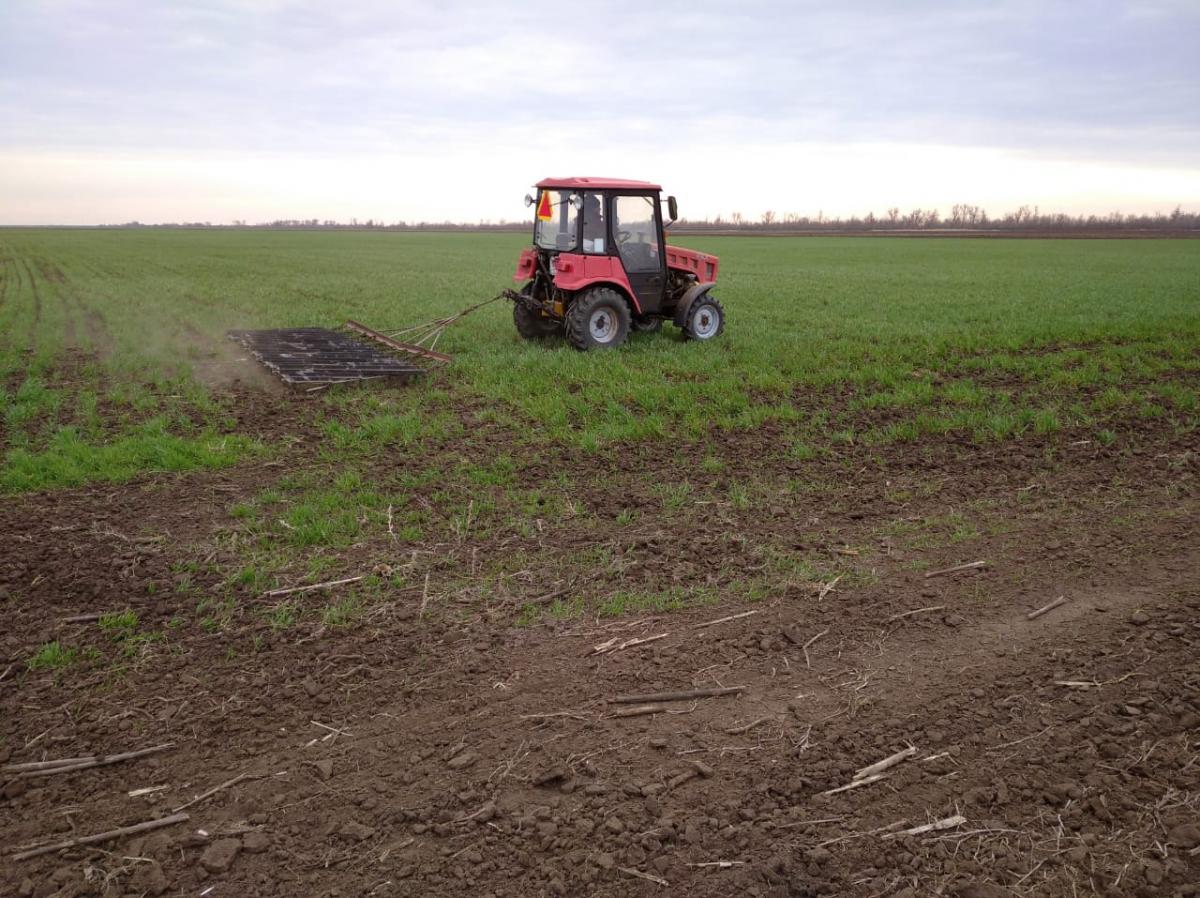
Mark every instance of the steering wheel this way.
pixel 623 236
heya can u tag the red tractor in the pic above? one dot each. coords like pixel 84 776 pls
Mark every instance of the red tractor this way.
pixel 600 265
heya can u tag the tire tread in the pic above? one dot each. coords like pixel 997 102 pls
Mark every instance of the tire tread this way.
pixel 710 300
pixel 576 323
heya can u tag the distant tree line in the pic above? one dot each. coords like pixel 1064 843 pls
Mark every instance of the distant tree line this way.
pixel 962 217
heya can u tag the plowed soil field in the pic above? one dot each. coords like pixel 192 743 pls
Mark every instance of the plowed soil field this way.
pixel 456 754
pixel 752 618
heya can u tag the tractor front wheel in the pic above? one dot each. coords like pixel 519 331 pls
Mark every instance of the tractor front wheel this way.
pixel 705 319
pixel 599 319
pixel 533 325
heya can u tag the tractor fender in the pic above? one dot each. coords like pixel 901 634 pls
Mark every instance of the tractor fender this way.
pixel 685 302
pixel 623 289
pixel 577 272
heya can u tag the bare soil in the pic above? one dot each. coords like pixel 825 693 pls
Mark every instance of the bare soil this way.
pixel 458 753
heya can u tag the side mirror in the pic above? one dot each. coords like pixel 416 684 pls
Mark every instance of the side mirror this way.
pixel 673 208
pixel 528 200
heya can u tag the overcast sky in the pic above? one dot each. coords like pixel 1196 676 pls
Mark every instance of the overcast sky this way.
pixel 114 110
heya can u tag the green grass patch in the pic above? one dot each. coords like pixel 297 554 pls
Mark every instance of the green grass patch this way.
pixel 343 613
pixel 634 602
pixel 71 460
pixel 283 616
pixel 52 656
pixel 119 624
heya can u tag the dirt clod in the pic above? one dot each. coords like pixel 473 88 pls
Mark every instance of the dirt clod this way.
pixel 149 879
pixel 256 842
pixel 220 855
pixel 551 775
pixel 462 760
pixel 1186 835
pixel 359 832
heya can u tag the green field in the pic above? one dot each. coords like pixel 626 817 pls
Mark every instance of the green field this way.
pixel 839 353
pixel 112 352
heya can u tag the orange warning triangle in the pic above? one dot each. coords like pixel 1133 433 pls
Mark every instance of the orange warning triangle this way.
pixel 545 211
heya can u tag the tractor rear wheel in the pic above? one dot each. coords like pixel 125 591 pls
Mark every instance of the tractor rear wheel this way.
pixel 705 319
pixel 598 319
pixel 533 325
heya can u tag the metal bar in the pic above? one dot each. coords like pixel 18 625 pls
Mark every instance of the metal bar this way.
pixel 396 344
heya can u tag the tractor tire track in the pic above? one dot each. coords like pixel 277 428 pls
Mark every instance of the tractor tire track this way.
pixel 13 358
pixel 10 273
pixel 84 329
pixel 74 315
pixel 31 349
pixel 100 338
pixel 3 280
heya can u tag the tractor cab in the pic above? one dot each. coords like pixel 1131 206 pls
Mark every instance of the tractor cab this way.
pixel 600 266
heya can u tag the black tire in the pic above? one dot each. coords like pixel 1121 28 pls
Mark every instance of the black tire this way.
pixel 598 319
pixel 647 325
pixel 705 319
pixel 531 324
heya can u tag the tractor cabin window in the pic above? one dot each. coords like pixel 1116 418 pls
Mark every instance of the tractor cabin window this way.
pixel 595 226
pixel 636 233
pixel 557 221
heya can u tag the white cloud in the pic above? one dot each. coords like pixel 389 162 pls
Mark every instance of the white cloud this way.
pixel 795 106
